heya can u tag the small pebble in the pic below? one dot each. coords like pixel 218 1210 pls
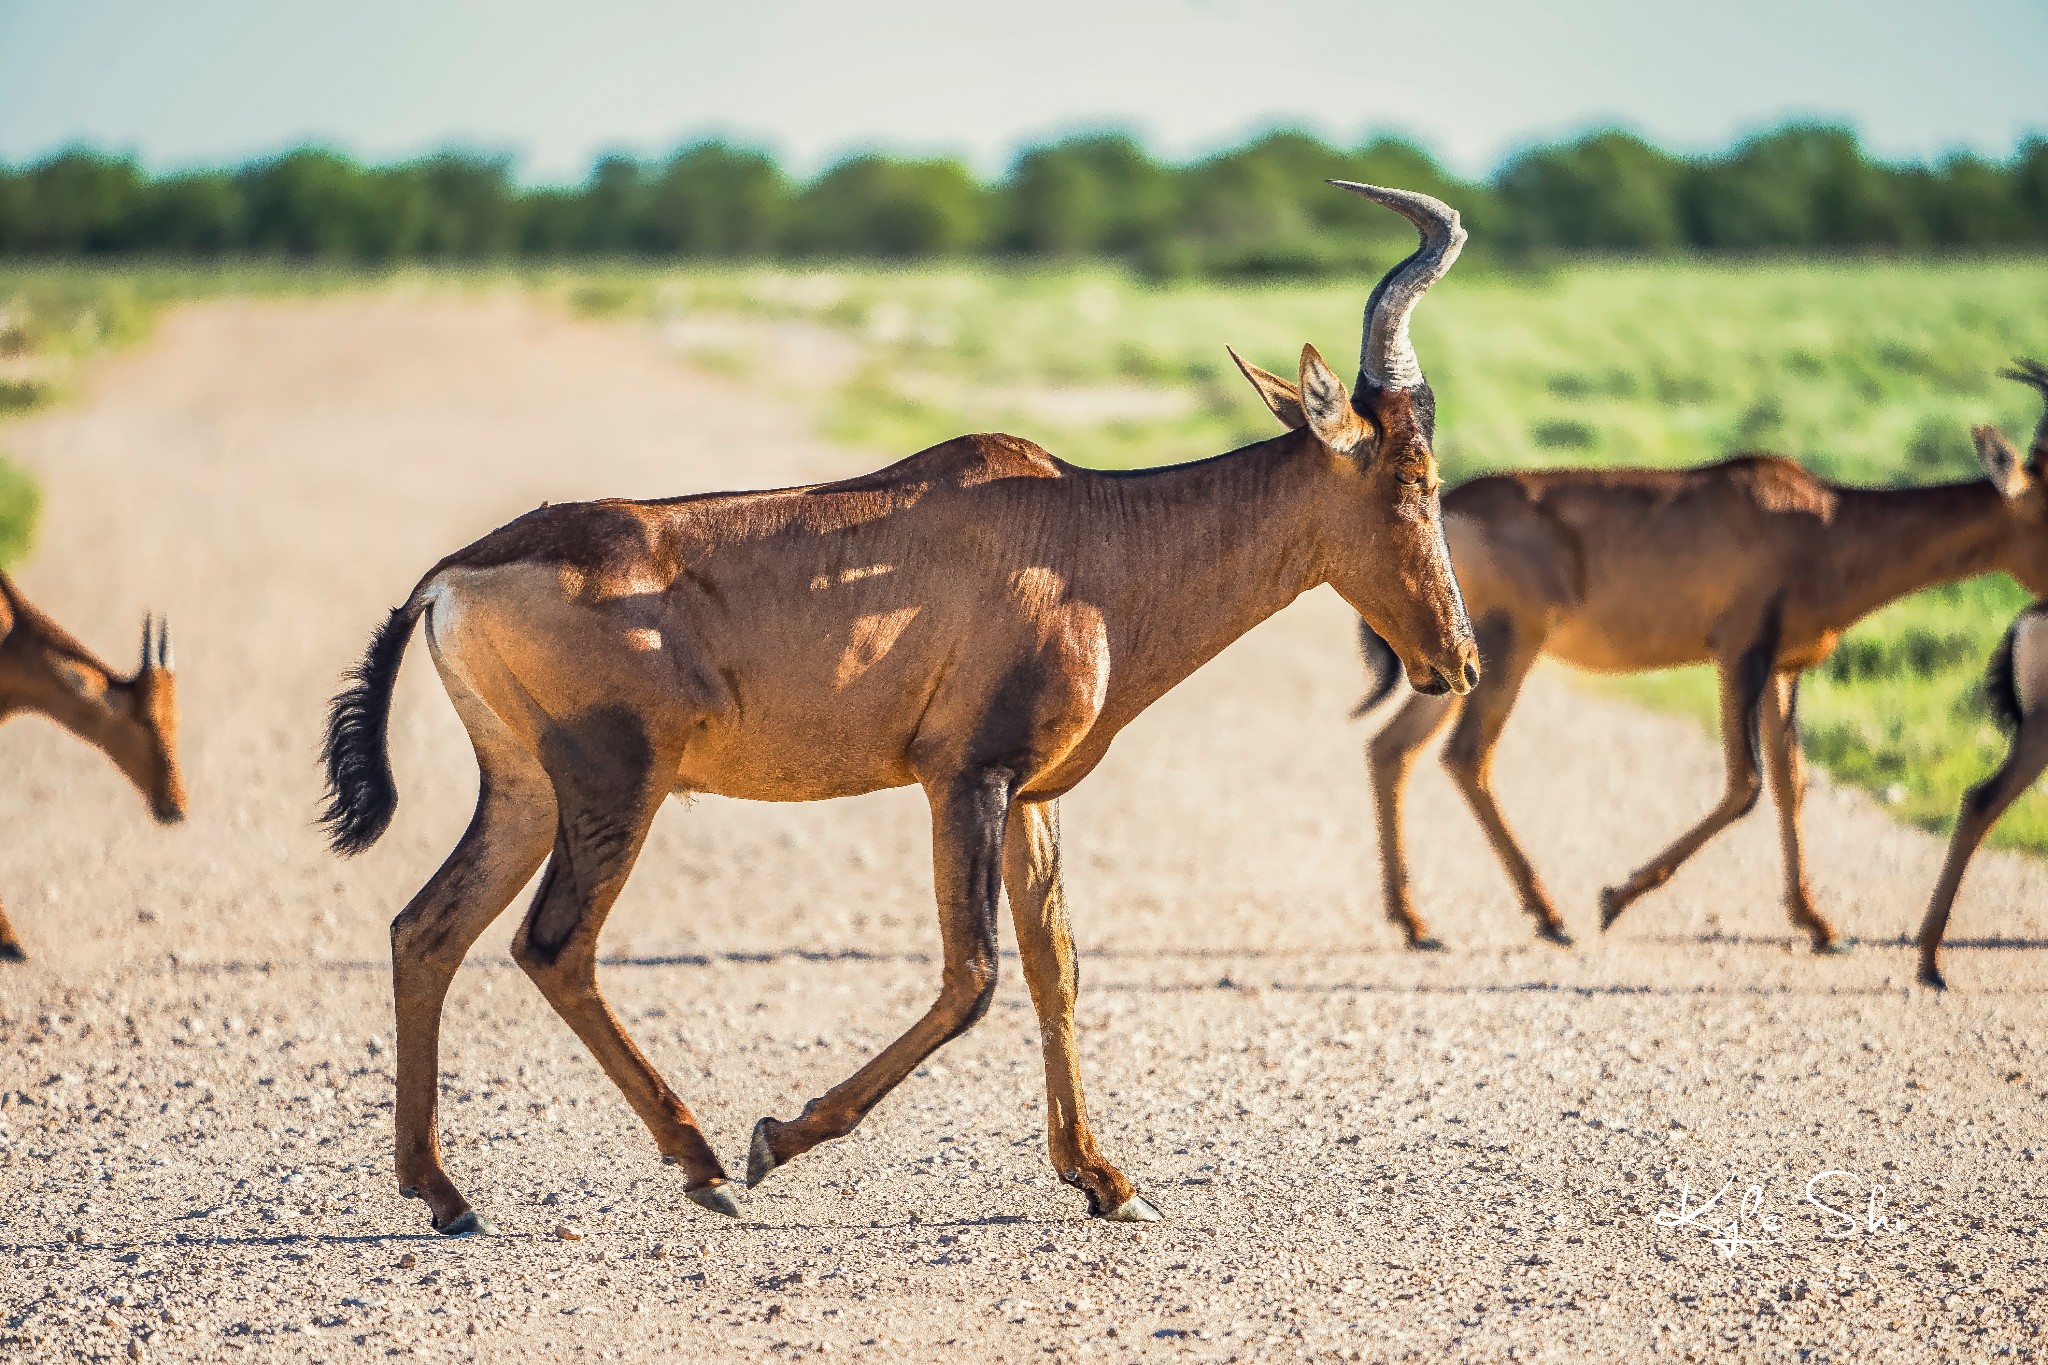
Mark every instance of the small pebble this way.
pixel 660 1251
pixel 408 1261
pixel 567 1233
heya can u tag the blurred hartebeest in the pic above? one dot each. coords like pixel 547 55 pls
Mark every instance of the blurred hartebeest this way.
pixel 979 619
pixel 45 670
pixel 1753 565
pixel 2017 686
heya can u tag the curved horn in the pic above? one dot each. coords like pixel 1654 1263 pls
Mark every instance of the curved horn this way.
pixel 163 646
pixel 2034 375
pixel 148 639
pixel 1386 359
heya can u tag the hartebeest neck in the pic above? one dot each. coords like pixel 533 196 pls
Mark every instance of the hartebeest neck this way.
pixel 48 673
pixel 44 692
pixel 1223 543
pixel 1895 541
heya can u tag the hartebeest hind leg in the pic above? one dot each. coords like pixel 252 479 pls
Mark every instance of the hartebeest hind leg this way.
pixel 1785 763
pixel 969 813
pixel 609 781
pixel 10 946
pixel 1468 756
pixel 506 840
pixel 1038 905
pixel 1744 680
pixel 1981 807
pixel 1391 757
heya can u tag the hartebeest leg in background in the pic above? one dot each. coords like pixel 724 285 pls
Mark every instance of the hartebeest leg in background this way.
pixel 610 779
pixel 969 812
pixel 1468 756
pixel 1981 807
pixel 10 946
pixel 1038 905
pixel 504 845
pixel 1785 765
pixel 1391 755
pixel 1744 680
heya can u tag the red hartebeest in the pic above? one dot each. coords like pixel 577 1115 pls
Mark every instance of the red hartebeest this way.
pixel 979 619
pixel 45 670
pixel 1753 565
pixel 2017 687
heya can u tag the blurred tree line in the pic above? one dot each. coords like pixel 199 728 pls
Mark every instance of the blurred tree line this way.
pixel 1256 209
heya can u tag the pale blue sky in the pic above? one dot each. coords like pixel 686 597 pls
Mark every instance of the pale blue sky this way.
pixel 183 82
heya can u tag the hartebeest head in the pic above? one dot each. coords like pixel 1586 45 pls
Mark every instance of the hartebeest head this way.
pixel 135 720
pixel 2023 480
pixel 1376 440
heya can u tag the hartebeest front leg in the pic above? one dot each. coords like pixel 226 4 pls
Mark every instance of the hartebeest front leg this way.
pixel 1785 763
pixel 10 946
pixel 1981 807
pixel 1744 680
pixel 1038 905
pixel 1391 758
pixel 969 813
pixel 1468 756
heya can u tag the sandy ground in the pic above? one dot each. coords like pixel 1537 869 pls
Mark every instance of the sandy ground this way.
pixel 1362 1153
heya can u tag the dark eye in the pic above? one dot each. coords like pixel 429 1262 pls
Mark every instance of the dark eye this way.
pixel 1412 478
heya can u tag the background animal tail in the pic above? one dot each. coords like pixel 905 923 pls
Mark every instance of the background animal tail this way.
pixel 2001 690
pixel 361 792
pixel 1382 668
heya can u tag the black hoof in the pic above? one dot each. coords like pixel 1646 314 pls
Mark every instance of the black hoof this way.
pixel 1930 975
pixel 1611 906
pixel 1425 944
pixel 470 1224
pixel 717 1198
pixel 11 952
pixel 760 1160
pixel 1832 948
pixel 1554 933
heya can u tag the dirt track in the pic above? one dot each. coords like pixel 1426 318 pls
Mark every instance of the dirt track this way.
pixel 1362 1153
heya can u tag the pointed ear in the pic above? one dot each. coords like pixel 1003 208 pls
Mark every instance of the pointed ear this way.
pixel 1281 396
pixel 1327 406
pixel 2004 465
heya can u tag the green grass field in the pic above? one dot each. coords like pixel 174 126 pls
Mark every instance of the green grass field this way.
pixel 1867 372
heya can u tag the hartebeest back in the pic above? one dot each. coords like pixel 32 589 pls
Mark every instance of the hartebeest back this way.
pixel 44 670
pixel 1753 565
pixel 979 619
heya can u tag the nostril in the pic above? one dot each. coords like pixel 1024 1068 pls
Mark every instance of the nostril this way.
pixel 1471 674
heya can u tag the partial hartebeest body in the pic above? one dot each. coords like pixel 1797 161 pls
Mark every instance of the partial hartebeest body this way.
pixel 2016 684
pixel 979 619
pixel 44 670
pixel 1753 565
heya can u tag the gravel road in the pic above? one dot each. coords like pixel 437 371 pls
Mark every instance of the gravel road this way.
pixel 1362 1153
